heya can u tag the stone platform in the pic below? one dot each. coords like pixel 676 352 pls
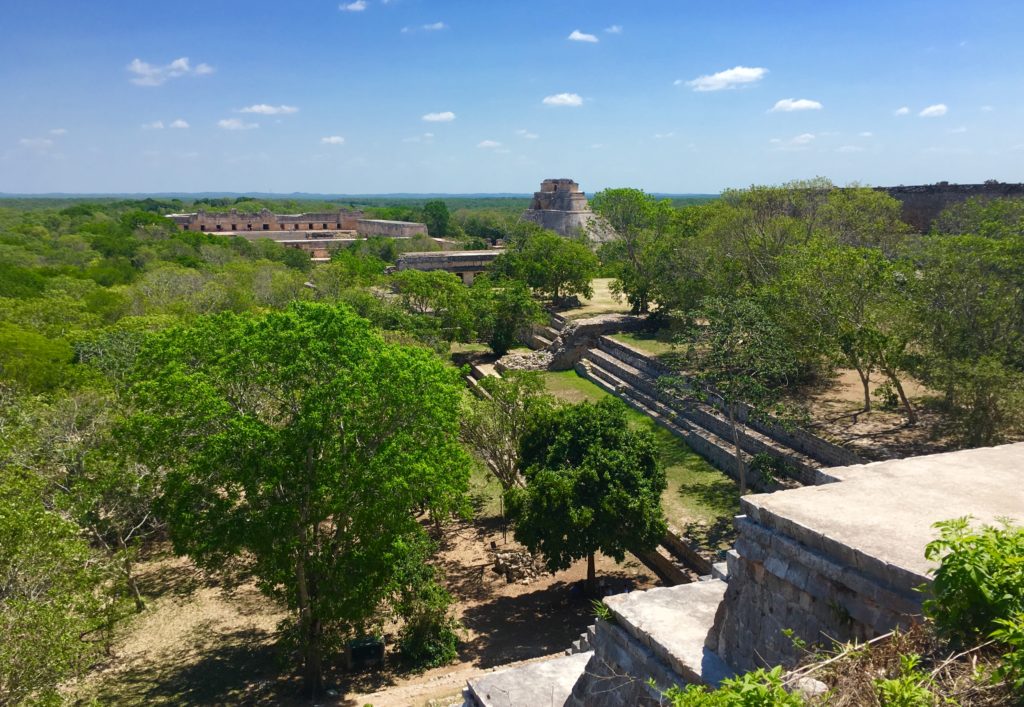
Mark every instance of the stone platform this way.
pixel 842 561
pixel 540 684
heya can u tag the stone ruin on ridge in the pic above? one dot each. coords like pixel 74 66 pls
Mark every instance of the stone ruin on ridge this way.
pixel 561 207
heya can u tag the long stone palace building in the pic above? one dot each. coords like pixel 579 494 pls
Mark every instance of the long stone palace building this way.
pixel 317 233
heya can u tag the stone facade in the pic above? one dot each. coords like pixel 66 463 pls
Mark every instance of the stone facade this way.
pixel 561 207
pixel 922 204
pixel 467 264
pixel 265 221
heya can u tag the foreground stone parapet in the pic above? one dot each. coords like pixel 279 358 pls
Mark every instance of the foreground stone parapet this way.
pixel 845 561
pixel 546 682
pixel 658 634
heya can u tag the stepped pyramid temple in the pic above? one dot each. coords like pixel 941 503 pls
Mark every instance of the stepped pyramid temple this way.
pixel 561 207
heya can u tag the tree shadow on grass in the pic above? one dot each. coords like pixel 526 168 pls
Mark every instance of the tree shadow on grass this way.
pixel 242 671
pixel 530 625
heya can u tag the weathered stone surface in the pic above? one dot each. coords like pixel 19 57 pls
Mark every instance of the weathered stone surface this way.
pixel 546 682
pixel 561 207
pixel 581 334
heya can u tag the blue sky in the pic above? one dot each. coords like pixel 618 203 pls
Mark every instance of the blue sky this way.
pixel 459 96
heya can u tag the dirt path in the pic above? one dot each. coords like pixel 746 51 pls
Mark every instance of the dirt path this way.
pixel 202 641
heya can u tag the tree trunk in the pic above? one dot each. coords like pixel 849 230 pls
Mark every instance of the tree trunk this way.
pixel 865 379
pixel 911 412
pixel 310 636
pixel 591 585
pixel 741 467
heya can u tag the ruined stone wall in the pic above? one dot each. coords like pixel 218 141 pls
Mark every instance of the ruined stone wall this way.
pixel 265 220
pixel 923 204
pixel 390 229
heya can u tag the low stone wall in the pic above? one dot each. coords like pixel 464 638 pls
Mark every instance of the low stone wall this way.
pixel 821 450
pixel 617 672
pixel 579 335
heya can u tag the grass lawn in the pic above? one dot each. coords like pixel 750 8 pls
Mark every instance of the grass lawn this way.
pixel 656 344
pixel 603 302
pixel 700 499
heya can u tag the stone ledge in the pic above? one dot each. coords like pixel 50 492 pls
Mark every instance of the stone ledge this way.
pixel 546 682
pixel 674 622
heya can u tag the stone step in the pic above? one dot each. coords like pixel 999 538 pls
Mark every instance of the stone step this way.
pixel 719 452
pixel 705 415
pixel 673 623
pixel 549 332
pixel 537 341
pixel 545 682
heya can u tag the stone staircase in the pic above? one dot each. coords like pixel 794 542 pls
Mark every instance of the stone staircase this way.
pixel 585 642
pixel 542 337
pixel 704 428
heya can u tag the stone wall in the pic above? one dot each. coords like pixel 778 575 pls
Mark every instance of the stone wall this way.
pixel 922 204
pixel 389 229
pixel 561 207
pixel 265 220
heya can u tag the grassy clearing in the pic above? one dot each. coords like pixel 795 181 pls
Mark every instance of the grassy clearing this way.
pixel 655 344
pixel 603 302
pixel 700 499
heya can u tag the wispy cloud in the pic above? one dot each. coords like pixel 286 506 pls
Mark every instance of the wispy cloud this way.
pixel 264 109
pixel 936 111
pixel 443 117
pixel 488 144
pixel 663 136
pixel 333 140
pixel 577 36
pixel 526 134
pixel 959 130
pixel 789 105
pixel 902 110
pixel 572 100
pixel 425 137
pixel 357 6
pixel 866 133
pixel 850 148
pixel 987 109
pixel 179 124
pixel 146 74
pixel 614 29
pixel 155 125
pixel 59 131
pixel 236 124
pixel 799 142
pixel 730 78
pixel 36 143
pixel 431 27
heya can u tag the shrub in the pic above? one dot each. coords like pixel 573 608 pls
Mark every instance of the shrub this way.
pixel 761 688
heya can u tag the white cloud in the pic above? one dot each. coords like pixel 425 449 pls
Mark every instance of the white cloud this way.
pixel 797 143
pixel 155 125
pixel 443 117
pixel 527 134
pixel 488 144
pixel 36 143
pixel 662 136
pixel 264 109
pixel 435 26
pixel 866 134
pixel 936 111
pixel 146 74
pixel 987 109
pixel 614 29
pixel 577 36
pixel 788 105
pixel 957 131
pixel 357 6
pixel 425 137
pixel 730 78
pixel 573 100
pixel 333 140
pixel 902 110
pixel 850 148
pixel 179 124
pixel 597 146
pixel 59 131
pixel 236 124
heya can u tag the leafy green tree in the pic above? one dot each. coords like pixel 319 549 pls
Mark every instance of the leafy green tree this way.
pixel 505 312
pixel 440 295
pixel 641 222
pixel 592 484
pixel 862 217
pixel 494 428
pixel 31 361
pixel 553 266
pixel 738 352
pixel 54 607
pixel 989 218
pixel 436 216
pixel 302 443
